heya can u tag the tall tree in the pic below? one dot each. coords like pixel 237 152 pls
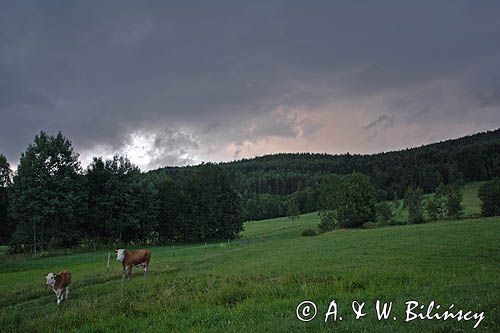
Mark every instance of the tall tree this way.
pixel 98 200
pixel 435 203
pixel 5 172
pixel 172 211
pixel 145 209
pixel 47 195
pixel 5 183
pixel 413 201
pixel 113 212
pixel 453 203
pixel 215 206
pixel 355 201
pixel 330 185
pixel 346 202
pixel 327 202
pixel 292 209
pixel 489 193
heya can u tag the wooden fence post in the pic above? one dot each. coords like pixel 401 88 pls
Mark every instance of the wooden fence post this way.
pixel 109 258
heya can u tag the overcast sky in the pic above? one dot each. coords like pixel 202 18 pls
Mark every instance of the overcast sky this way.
pixel 180 82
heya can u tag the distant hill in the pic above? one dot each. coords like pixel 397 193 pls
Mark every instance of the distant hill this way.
pixel 470 158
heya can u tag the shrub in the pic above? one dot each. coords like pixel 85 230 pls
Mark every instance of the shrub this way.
pixel 489 193
pixel 328 220
pixel 308 232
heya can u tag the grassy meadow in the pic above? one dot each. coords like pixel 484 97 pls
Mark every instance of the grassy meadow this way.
pixel 255 284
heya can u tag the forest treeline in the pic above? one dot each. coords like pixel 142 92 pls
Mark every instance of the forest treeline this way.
pixel 52 202
pixel 270 185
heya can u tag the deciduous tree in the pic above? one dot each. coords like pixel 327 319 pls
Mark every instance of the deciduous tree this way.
pixel 47 195
pixel 413 202
pixel 489 193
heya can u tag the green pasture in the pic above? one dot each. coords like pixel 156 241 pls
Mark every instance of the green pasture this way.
pixel 254 284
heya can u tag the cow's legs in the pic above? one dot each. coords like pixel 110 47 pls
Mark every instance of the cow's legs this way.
pixel 145 265
pixel 67 293
pixel 123 270
pixel 59 296
pixel 129 271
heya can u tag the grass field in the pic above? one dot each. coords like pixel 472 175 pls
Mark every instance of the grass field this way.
pixel 256 285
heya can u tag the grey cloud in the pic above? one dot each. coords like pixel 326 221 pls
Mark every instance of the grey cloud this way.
pixel 375 128
pixel 237 153
pixel 173 148
pixel 100 71
pixel 383 120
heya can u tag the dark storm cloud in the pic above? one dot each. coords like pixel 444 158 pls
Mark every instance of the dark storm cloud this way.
pixel 200 77
pixel 383 120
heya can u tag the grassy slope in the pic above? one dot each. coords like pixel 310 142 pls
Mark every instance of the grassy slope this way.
pixel 470 202
pixel 256 286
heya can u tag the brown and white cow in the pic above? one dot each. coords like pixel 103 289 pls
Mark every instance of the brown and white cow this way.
pixel 133 258
pixel 60 284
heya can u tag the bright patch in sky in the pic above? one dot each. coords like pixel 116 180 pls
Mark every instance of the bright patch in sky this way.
pixel 139 149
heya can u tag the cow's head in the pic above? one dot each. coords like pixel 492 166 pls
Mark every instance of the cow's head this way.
pixel 120 254
pixel 51 279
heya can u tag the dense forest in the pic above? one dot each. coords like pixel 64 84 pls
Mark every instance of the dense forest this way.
pixel 270 184
pixel 52 202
